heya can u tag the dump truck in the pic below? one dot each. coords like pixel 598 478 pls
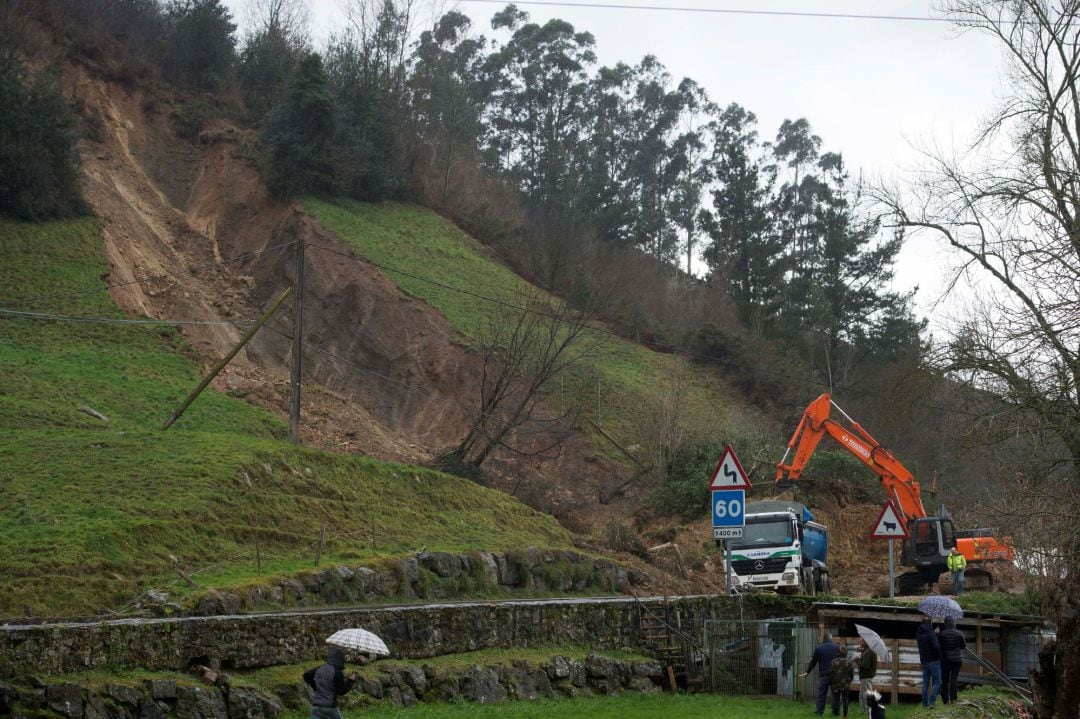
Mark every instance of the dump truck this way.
pixel 782 549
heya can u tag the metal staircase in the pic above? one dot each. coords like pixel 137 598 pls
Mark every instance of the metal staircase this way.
pixel 681 655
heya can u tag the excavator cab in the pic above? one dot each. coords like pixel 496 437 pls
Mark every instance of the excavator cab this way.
pixel 931 540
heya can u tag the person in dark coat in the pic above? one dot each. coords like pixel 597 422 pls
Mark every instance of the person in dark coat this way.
pixel 867 666
pixel 841 674
pixel 952 656
pixel 824 655
pixel 328 682
pixel 930 659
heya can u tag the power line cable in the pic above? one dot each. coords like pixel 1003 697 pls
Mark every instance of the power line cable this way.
pixel 18 314
pixel 592 328
pixel 146 278
pixel 602 330
pixel 724 11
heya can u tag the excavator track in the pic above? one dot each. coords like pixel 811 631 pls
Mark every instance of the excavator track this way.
pixel 976 579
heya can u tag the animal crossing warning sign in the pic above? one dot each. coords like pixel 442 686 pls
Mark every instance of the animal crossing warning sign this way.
pixel 889 524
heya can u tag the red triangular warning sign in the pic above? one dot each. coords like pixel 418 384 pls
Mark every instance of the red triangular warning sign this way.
pixel 729 473
pixel 890 524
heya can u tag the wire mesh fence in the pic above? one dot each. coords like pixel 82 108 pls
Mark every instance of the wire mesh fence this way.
pixel 759 657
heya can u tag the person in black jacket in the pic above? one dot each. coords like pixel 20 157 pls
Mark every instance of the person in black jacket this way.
pixel 930 659
pixel 823 657
pixel 952 656
pixel 867 666
pixel 328 682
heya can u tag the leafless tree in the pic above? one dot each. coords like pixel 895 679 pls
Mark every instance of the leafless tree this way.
pixel 534 358
pixel 287 18
pixel 1009 208
pixel 384 29
pixel 667 422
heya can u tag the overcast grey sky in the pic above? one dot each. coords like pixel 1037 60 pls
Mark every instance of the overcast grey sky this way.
pixel 870 88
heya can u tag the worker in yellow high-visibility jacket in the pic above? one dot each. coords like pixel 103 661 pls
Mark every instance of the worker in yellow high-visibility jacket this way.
pixel 957 564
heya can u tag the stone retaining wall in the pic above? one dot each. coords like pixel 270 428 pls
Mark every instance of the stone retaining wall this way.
pixel 428 575
pixel 262 640
pixel 402 685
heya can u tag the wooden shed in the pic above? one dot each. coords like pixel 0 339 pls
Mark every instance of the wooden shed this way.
pixel 1008 642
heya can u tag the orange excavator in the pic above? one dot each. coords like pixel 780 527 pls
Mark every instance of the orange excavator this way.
pixel 931 537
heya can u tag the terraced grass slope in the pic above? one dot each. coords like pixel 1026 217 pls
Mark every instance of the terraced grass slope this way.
pixel 92 507
pixel 432 259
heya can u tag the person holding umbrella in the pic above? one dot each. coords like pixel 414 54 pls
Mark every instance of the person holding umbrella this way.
pixel 952 656
pixel 867 666
pixel 930 659
pixel 873 649
pixel 329 682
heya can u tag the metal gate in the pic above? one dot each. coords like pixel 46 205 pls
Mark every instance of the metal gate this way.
pixel 760 656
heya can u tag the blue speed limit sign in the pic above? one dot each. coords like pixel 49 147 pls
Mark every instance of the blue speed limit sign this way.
pixel 728 508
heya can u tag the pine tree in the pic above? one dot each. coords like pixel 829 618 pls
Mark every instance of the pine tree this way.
pixel 201 42
pixel 299 134
pixel 38 162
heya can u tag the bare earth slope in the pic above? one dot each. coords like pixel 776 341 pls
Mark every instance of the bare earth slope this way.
pixel 384 374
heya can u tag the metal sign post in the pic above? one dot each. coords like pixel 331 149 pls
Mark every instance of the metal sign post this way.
pixel 729 585
pixel 892 572
pixel 890 525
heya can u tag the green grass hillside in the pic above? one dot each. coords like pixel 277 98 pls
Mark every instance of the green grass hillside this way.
pixel 436 260
pixel 91 507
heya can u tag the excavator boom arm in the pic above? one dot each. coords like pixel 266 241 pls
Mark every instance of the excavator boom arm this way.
pixel 816 423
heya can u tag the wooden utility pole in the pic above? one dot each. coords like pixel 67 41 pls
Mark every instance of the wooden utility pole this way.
pixel 318 549
pixel 225 360
pixel 297 345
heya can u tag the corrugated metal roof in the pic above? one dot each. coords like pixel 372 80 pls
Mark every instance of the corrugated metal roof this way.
pixel 899 610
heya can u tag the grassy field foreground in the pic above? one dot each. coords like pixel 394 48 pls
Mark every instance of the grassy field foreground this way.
pixel 92 507
pixel 626 706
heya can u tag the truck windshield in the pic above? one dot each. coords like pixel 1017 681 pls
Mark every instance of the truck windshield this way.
pixel 765 533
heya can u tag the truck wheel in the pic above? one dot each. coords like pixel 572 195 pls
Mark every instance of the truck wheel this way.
pixel 809 583
pixel 821 582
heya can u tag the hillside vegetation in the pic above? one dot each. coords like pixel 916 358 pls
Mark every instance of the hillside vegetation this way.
pixel 433 260
pixel 92 507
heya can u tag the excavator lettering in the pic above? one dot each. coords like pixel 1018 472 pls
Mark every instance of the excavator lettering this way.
pixel 931 537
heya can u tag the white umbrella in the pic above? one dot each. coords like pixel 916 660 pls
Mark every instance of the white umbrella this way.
pixel 359 639
pixel 874 641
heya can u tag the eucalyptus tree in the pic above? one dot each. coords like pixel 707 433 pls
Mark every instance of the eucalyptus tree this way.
pixel 538 83
pixel 691 147
pixel 796 147
pixel 447 96
pixel 743 245
pixel 606 185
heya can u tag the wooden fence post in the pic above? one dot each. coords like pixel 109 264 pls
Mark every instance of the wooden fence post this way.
pixel 895 671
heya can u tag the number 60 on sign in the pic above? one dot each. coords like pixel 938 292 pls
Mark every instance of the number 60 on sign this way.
pixel 727 508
